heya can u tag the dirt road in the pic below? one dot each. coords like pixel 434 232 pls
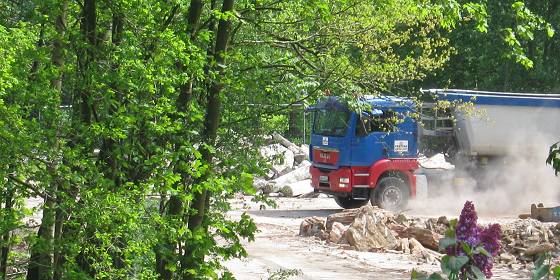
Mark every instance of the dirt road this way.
pixel 278 247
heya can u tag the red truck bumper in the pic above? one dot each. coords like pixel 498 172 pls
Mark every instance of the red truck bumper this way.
pixel 333 181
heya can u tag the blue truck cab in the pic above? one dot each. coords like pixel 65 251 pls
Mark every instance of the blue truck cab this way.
pixel 365 156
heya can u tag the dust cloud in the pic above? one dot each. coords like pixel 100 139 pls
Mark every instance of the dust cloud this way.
pixel 501 187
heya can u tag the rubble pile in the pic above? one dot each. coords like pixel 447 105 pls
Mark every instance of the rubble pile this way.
pixel 289 174
pixel 373 229
pixel 376 230
pixel 525 238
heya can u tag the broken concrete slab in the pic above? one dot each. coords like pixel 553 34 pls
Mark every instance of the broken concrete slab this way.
pixel 426 237
pixel 337 232
pixel 299 174
pixel 312 226
pixel 299 154
pixel 279 156
pixel 346 217
pixel 369 232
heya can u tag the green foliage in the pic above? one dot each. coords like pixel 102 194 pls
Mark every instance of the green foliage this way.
pixel 503 46
pixel 543 269
pixel 284 274
pixel 554 158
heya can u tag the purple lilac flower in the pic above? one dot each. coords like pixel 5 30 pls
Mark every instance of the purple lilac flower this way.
pixel 467 230
pixel 485 264
pixel 490 238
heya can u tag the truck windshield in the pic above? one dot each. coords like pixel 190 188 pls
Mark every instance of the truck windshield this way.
pixel 331 123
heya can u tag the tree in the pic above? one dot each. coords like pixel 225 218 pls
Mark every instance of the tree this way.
pixel 513 53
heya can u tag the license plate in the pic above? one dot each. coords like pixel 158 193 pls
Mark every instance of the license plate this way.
pixel 325 156
pixel 324 179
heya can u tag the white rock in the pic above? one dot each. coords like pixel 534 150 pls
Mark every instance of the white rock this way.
pixel 435 162
pixel 369 231
pixel 280 157
pixel 301 173
pixel 301 187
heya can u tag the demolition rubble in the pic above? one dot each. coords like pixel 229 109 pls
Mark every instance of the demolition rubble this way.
pixel 375 230
pixel 289 174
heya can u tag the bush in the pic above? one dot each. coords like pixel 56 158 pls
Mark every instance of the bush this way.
pixel 469 248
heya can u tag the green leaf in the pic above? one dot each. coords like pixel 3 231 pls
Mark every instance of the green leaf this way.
pixel 481 250
pixel 518 5
pixel 478 273
pixel 453 224
pixel 467 248
pixel 446 242
pixel 540 272
pixel 540 260
pixel 415 275
pixel 435 276
pixel 453 264
pixel 556 272
pixel 549 30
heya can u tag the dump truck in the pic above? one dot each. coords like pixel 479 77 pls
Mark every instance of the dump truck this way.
pixel 371 155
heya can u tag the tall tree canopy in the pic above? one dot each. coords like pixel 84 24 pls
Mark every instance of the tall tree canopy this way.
pixel 516 52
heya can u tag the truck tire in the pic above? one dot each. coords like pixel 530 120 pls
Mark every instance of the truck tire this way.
pixel 391 193
pixel 349 203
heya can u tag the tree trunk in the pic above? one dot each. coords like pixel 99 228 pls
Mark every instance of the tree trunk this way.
pixel 88 27
pixel 212 119
pixel 41 259
pixel 166 253
pixel 293 129
pixel 193 18
pixel 211 124
pixel 40 44
pixel 6 238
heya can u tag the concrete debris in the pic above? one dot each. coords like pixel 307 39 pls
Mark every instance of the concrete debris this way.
pixel 346 217
pixel 311 194
pixel 280 157
pixel 426 237
pixel 289 174
pixel 313 226
pixel 369 231
pixel 404 245
pixel 299 174
pixel 545 214
pixel 300 188
pixel 299 154
pixel 337 232
pixel 372 229
pixel 538 249
pixel 523 239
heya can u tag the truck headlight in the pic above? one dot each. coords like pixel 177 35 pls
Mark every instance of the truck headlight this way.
pixel 345 180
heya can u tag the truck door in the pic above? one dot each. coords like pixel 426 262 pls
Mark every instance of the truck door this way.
pixel 366 144
pixel 400 141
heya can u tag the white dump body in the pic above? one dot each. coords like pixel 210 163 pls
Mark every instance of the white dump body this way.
pixel 501 123
pixel 495 130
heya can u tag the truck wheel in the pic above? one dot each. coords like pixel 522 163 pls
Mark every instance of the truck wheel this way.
pixel 391 193
pixel 348 202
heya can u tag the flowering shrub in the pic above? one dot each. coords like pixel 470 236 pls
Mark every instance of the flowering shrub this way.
pixel 469 248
